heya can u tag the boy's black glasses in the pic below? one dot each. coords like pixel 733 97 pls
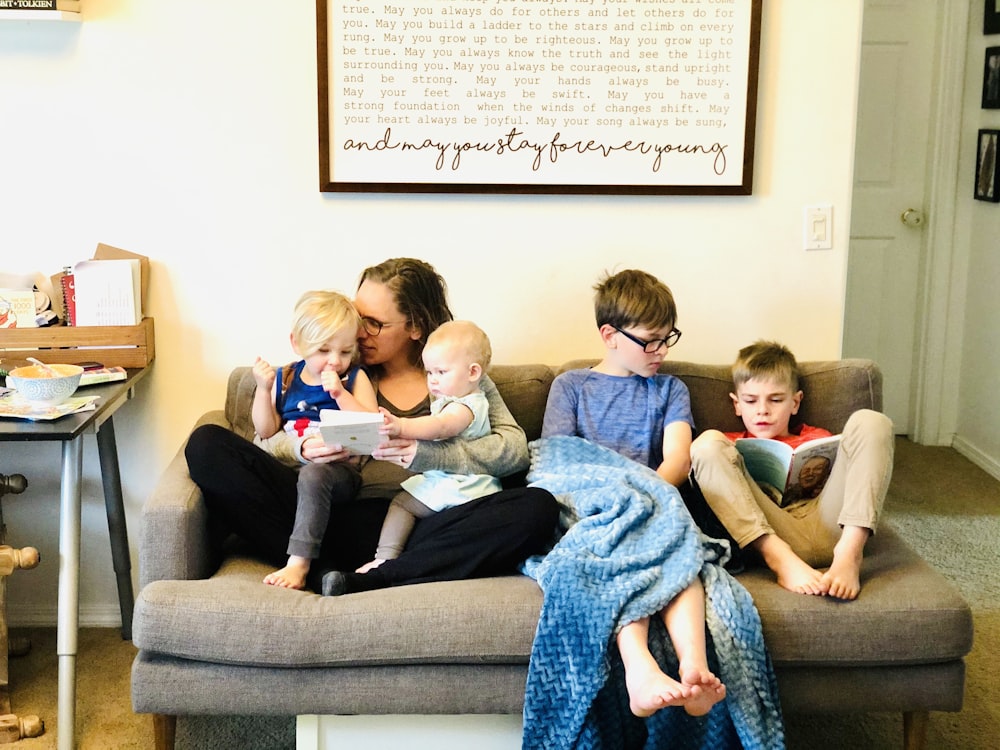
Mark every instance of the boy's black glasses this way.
pixel 651 347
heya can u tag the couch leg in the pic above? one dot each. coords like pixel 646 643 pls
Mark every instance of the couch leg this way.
pixel 915 729
pixel 164 731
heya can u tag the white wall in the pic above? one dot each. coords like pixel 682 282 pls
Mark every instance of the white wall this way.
pixel 978 435
pixel 186 131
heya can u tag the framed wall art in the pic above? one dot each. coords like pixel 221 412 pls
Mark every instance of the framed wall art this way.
pixel 504 96
pixel 991 17
pixel 991 78
pixel 986 167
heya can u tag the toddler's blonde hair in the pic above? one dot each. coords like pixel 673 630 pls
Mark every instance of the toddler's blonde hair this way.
pixel 319 316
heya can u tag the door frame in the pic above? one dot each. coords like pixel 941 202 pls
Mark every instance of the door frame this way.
pixel 938 328
pixel 940 309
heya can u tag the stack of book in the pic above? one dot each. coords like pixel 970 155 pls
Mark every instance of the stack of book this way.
pixel 66 6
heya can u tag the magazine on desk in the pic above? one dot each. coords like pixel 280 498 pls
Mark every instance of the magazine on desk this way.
pixel 100 375
pixel 14 406
pixel 357 431
pixel 777 464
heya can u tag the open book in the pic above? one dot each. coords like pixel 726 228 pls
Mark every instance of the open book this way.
pixel 777 464
pixel 357 431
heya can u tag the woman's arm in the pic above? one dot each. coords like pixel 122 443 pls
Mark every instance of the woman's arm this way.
pixel 504 451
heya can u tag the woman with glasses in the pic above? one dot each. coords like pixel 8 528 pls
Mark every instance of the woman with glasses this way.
pixel 254 496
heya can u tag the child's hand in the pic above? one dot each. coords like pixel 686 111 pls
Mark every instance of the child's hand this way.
pixel 332 383
pixel 390 425
pixel 263 375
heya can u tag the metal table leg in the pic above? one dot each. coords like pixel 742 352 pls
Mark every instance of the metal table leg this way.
pixel 115 505
pixel 69 588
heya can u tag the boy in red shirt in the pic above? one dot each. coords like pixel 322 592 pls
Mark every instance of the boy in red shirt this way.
pixel 826 531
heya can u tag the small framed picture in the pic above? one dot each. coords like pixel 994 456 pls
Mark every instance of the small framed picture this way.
pixel 991 78
pixel 986 167
pixel 991 18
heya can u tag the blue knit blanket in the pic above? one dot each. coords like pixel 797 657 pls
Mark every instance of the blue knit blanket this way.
pixel 630 547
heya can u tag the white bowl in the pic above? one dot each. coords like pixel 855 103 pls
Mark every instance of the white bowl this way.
pixel 43 389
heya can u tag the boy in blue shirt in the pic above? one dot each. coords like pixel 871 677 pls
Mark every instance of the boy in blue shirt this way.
pixel 625 405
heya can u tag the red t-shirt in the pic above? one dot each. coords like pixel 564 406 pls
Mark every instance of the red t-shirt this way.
pixel 806 433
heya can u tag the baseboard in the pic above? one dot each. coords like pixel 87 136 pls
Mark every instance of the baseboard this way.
pixel 22 616
pixel 439 732
pixel 987 463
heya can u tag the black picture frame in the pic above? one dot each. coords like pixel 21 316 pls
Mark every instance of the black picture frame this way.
pixel 360 53
pixel 991 17
pixel 987 186
pixel 991 78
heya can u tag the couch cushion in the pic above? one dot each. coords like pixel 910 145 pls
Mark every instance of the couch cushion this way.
pixel 525 389
pixel 233 618
pixel 907 614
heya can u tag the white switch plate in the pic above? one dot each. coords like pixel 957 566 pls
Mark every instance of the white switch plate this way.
pixel 817 227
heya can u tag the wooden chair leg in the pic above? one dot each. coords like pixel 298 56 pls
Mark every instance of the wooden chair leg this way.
pixel 915 729
pixel 164 731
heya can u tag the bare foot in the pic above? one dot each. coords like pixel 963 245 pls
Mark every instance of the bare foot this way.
pixel 706 689
pixel 292 576
pixel 843 579
pixel 791 571
pixel 369 566
pixel 649 689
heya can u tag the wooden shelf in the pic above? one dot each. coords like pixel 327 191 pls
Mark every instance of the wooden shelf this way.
pixel 125 346
pixel 40 15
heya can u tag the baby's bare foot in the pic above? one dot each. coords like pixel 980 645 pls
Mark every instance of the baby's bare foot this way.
pixel 649 690
pixel 292 576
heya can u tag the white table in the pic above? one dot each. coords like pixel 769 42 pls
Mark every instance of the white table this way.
pixel 69 430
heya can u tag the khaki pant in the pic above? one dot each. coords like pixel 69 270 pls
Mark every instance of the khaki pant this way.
pixel 853 496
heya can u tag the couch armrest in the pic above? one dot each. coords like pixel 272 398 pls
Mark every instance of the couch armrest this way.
pixel 175 540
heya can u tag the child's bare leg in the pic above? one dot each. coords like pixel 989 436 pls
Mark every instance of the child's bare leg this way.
pixel 843 579
pixel 649 689
pixel 292 576
pixel 792 571
pixel 684 618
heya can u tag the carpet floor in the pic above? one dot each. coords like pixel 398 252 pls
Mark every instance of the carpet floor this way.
pixel 942 504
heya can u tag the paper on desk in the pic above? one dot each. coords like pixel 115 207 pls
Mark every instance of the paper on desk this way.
pixel 14 406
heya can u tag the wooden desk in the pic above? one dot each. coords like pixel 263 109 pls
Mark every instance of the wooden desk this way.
pixel 69 430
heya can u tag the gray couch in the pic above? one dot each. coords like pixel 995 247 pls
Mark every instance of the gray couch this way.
pixel 213 640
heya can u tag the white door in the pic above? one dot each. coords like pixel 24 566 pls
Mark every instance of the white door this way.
pixel 887 210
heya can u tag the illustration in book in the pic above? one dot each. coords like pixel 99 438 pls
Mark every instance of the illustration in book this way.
pixel 794 473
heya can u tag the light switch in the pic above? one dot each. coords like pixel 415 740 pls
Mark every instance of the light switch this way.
pixel 817 229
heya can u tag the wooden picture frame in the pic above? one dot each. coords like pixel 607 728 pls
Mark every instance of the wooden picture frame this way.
pixel 987 185
pixel 463 96
pixel 991 17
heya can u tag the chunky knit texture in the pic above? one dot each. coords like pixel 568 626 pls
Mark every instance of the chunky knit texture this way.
pixel 630 549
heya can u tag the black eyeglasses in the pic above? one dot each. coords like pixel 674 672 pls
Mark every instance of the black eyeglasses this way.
pixel 650 347
pixel 374 327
